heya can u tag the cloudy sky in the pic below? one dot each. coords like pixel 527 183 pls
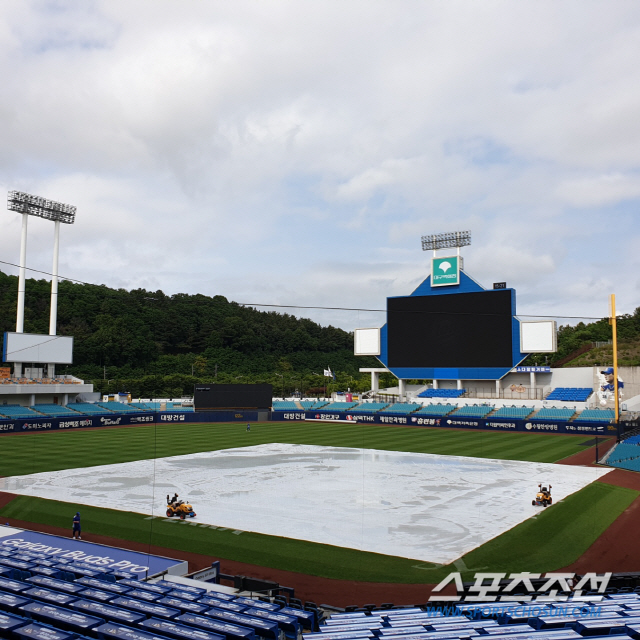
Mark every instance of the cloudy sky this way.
pixel 294 151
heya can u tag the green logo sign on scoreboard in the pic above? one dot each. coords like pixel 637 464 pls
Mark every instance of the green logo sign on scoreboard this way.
pixel 445 271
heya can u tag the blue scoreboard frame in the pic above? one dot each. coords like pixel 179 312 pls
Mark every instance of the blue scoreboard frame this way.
pixel 467 285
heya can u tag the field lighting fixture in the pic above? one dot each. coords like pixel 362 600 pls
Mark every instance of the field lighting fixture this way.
pixel 30 205
pixel 40 207
pixel 446 240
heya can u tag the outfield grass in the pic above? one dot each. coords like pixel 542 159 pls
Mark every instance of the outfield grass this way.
pixel 553 539
pixel 34 452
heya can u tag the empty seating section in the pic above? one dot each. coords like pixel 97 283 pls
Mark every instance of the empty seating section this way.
pixel 118 407
pixel 159 406
pixel 370 407
pixel 436 409
pixel 442 393
pixel 51 598
pixel 604 416
pixel 90 409
pixel 570 394
pixel 339 406
pixel 16 411
pixel 310 405
pixel 54 410
pixel 625 456
pixel 615 615
pixel 401 407
pixel 146 406
pixel 553 413
pixel 285 405
pixel 513 413
pixel 48 597
pixel 473 411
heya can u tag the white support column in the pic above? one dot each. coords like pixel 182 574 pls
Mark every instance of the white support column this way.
pixel 435 384
pixel 65 399
pixel 375 381
pixel 33 399
pixel 458 384
pixel 532 381
pixel 53 316
pixel 401 390
pixel 21 277
pixel 497 388
pixel 17 366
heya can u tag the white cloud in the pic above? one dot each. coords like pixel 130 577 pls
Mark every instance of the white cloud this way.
pixel 297 151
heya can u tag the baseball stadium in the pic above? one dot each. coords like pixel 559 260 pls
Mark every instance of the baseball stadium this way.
pixel 477 481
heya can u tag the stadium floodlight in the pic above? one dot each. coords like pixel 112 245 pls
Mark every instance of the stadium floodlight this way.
pixel 40 207
pixel 446 240
pixel 57 212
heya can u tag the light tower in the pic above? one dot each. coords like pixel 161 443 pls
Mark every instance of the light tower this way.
pixel 446 241
pixel 29 205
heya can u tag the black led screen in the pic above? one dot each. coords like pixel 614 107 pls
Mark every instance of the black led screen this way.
pixel 452 330
pixel 216 397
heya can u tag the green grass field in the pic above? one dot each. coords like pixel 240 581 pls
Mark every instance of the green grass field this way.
pixel 34 452
pixel 553 539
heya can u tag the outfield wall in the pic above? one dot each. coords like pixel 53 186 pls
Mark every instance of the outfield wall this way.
pixel 135 419
pixel 122 420
pixel 573 428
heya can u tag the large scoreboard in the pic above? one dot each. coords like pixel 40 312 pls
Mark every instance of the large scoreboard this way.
pixel 459 330
pixel 220 397
pixel 455 331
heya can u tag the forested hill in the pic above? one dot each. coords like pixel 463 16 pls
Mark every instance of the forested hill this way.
pixel 136 333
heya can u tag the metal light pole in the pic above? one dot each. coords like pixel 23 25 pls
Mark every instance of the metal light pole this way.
pixel 29 205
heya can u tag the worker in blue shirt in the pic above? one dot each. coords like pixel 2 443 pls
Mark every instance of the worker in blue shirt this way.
pixel 76 526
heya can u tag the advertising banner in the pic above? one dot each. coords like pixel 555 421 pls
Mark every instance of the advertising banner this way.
pixel 445 271
pixel 575 428
pixel 122 420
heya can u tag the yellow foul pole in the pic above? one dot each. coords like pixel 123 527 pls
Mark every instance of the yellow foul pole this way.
pixel 614 332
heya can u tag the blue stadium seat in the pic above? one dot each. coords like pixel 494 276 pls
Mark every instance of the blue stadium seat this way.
pixel 602 416
pixel 369 407
pixel 553 413
pixel 339 406
pixel 436 410
pixel 402 407
pixel 513 413
pixel 473 411
pixel 442 393
pixel 570 394
pixel 90 409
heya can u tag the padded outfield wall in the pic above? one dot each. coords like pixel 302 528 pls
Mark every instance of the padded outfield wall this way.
pixel 128 419
pixel 488 424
